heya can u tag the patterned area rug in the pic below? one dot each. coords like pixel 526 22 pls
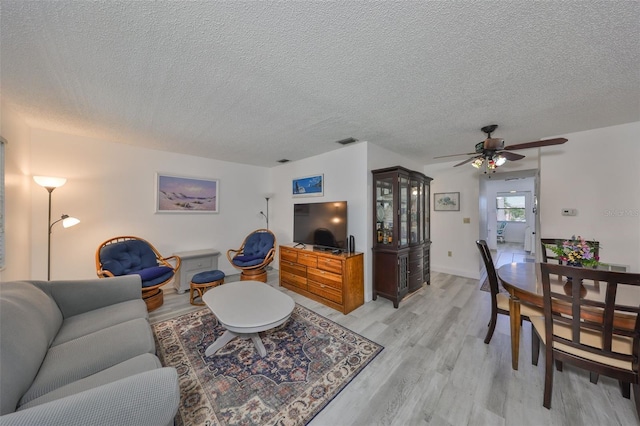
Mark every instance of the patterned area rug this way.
pixel 309 360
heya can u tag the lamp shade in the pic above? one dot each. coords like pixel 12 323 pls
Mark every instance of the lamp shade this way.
pixel 69 221
pixel 49 182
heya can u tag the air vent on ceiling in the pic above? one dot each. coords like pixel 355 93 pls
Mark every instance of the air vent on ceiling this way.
pixel 284 160
pixel 347 141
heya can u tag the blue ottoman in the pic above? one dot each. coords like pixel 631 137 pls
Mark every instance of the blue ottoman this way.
pixel 201 282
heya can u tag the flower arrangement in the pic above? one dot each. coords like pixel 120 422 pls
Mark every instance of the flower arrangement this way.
pixel 576 252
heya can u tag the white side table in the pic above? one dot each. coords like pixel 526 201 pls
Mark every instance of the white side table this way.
pixel 194 261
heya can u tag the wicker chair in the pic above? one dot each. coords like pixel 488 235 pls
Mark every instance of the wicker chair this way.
pixel 128 255
pixel 256 252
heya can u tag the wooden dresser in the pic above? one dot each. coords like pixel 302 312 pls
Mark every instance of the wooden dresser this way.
pixel 335 280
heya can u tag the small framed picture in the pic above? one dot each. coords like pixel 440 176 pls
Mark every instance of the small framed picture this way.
pixel 309 186
pixel 175 194
pixel 446 201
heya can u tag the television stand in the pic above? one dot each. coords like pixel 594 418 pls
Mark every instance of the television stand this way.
pixel 335 280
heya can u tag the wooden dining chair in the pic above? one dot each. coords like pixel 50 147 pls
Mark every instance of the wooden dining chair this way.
pixel 499 301
pixel 601 337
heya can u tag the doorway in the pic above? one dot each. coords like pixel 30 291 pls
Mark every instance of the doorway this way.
pixel 519 235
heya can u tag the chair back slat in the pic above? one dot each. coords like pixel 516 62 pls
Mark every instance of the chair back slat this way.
pixel 596 326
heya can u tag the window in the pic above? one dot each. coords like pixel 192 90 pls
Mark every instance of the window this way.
pixel 511 207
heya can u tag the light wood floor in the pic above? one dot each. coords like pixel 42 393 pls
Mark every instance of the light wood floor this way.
pixel 436 370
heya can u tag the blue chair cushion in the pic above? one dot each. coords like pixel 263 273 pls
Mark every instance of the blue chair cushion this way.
pixel 207 277
pixel 128 256
pixel 149 274
pixel 258 244
pixel 243 258
pixel 134 257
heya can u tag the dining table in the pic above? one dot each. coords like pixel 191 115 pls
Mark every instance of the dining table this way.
pixel 524 283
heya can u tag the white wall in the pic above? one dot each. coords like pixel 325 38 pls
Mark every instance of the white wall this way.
pixel 17 195
pixel 345 179
pixel 448 230
pixel 597 173
pixel 111 188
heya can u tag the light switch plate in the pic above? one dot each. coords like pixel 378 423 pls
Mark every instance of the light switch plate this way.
pixel 569 212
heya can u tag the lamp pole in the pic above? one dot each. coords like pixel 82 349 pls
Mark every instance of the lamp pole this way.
pixel 267 198
pixel 50 189
pixel 266 216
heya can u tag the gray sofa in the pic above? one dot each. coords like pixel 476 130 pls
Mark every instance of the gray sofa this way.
pixel 81 353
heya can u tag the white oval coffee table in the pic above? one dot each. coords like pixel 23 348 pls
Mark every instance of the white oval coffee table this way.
pixel 246 308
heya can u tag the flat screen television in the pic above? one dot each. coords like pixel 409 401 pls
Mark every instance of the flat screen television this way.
pixel 323 225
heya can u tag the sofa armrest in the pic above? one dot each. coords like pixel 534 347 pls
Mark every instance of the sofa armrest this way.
pixel 79 296
pixel 149 398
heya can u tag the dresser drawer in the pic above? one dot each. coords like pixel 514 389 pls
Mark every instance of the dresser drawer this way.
pixel 325 291
pixel 293 279
pixel 202 263
pixel 288 254
pixel 325 278
pixel 308 259
pixel 293 268
pixel 329 264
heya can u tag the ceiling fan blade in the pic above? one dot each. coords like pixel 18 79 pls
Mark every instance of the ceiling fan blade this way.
pixel 468 160
pixel 455 155
pixel 536 144
pixel 511 156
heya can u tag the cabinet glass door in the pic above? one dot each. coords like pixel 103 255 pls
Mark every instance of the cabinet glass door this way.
pixel 404 210
pixel 385 217
pixel 414 225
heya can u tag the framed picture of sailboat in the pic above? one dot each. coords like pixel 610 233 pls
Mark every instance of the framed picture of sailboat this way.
pixel 308 186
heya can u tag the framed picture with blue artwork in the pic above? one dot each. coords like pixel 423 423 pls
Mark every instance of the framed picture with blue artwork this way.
pixel 446 201
pixel 178 194
pixel 308 186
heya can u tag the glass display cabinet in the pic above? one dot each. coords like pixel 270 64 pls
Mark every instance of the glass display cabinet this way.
pixel 401 232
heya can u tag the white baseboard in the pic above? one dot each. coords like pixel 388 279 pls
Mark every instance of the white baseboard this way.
pixel 455 271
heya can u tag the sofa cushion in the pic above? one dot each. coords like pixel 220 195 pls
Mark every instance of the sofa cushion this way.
pixel 98 319
pixel 139 364
pixel 89 354
pixel 150 398
pixel 29 321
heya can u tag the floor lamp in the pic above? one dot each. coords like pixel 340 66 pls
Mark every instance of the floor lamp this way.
pixel 51 183
pixel 266 216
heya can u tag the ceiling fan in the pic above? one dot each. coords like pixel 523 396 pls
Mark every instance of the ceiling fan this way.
pixel 492 153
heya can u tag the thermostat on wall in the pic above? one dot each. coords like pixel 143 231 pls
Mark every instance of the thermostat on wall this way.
pixel 569 212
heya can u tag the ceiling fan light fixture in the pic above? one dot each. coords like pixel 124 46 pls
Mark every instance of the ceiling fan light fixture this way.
pixel 499 160
pixel 477 163
pixel 491 165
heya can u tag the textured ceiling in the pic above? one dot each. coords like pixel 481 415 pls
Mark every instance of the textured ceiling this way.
pixel 255 82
